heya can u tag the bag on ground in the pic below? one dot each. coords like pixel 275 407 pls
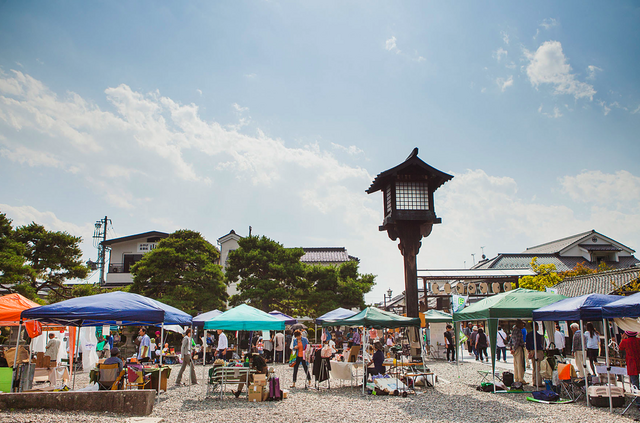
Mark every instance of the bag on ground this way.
pixel 546 395
pixel 507 378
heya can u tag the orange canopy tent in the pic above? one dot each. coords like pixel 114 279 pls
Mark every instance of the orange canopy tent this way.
pixel 10 308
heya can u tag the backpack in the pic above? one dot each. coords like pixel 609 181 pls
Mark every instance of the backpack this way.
pixel 275 394
pixel 546 395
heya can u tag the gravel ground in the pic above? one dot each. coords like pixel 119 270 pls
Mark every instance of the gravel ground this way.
pixel 453 399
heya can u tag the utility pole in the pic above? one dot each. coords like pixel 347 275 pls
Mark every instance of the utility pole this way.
pixel 99 236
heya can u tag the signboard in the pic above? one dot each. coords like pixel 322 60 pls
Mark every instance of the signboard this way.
pixel 459 302
pixel 145 247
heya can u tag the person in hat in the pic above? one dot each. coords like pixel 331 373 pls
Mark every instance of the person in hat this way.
pixel 258 364
pixel 630 344
pixel 473 337
pixel 115 358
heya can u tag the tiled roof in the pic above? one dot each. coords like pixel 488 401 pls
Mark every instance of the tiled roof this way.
pixel 151 234
pixel 326 255
pixel 557 245
pixel 599 247
pixel 597 283
pixel 516 261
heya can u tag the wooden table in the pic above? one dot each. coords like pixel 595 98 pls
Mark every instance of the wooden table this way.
pixel 156 373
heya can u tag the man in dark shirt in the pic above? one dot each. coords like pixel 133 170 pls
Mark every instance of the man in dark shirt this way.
pixel 448 340
pixel 537 355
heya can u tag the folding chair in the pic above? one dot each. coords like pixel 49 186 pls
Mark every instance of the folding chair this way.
pixel 136 378
pixel 570 385
pixel 109 376
pixel 635 394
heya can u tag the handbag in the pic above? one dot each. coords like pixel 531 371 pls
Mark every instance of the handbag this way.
pixel 551 352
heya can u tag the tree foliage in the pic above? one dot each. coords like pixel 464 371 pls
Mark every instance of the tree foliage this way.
pixel 546 276
pixel 270 276
pixel 336 286
pixel 182 272
pixel 33 258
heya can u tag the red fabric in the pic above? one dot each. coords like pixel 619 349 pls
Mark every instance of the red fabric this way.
pixel 632 348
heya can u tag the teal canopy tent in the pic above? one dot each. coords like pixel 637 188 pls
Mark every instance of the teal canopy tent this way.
pixel 437 316
pixel 372 317
pixel 245 317
pixel 516 304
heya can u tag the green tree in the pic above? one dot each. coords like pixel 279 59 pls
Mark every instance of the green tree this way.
pixel 53 257
pixel 14 270
pixel 183 273
pixel 336 286
pixel 546 276
pixel 270 276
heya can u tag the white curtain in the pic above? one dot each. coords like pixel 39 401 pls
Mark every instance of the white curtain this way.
pixel 628 323
pixel 88 343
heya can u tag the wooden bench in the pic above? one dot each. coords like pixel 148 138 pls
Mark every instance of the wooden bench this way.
pixel 221 376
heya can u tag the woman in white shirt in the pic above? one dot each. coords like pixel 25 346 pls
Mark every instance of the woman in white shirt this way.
pixel 593 346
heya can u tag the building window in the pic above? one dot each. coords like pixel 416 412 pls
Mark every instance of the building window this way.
pixel 412 196
pixel 130 260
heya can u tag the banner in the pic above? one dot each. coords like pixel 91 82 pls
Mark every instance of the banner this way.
pixel 459 302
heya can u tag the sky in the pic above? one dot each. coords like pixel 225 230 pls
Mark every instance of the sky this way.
pixel 214 116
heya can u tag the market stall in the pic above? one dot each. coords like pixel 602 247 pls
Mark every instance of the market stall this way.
pixel 517 304
pixel 584 308
pixel 112 308
pixel 337 314
pixel 373 318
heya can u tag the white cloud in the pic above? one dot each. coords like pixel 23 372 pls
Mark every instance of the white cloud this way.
pixel 239 108
pixel 351 150
pixel 556 112
pixel 24 215
pixel 592 72
pixel 505 37
pixel 500 53
pixel 549 23
pixel 505 83
pixel 548 65
pixel 199 91
pixel 604 189
pixel 390 45
pixel 250 75
pixel 636 111
pixel 33 158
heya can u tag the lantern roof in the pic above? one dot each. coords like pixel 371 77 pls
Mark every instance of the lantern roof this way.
pixel 412 165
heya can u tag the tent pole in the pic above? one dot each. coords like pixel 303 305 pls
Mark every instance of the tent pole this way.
pixel 605 326
pixel 534 377
pixel 315 335
pixel 15 356
pixel 364 367
pixel 204 359
pixel 584 364
pixel 160 373
pixel 190 349
pixel 76 353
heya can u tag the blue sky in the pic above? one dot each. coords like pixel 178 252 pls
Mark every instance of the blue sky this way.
pixel 215 116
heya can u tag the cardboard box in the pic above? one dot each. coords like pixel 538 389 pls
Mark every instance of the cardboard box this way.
pixel 260 380
pixel 285 393
pixel 256 393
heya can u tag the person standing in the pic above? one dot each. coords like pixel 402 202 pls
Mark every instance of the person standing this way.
pixel 535 353
pixel 576 347
pixel 144 352
pixel 52 348
pixel 356 337
pixel 558 339
pixel 630 344
pixel 516 346
pixel 481 344
pixel 473 338
pixel 467 332
pixel 223 345
pixel 278 342
pixel 448 342
pixel 593 346
pixel 185 352
pixel 299 346
pixel 501 344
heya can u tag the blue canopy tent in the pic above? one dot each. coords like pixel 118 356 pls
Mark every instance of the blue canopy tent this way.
pixel 288 320
pixel 203 317
pixel 586 307
pixel 337 314
pixel 112 308
pixel 623 307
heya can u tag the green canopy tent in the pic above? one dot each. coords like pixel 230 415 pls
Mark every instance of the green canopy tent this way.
pixel 516 304
pixel 372 317
pixel 437 316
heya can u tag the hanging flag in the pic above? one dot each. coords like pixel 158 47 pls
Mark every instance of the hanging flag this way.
pixel 459 302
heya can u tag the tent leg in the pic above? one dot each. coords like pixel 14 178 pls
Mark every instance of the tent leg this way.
pixel 204 361
pixel 160 373
pixel 534 377
pixel 605 327
pixel 75 361
pixel 584 365
pixel 15 356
